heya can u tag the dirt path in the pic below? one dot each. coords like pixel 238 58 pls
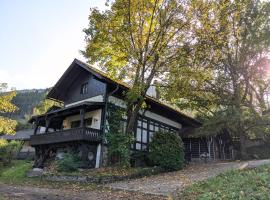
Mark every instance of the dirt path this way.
pixel 168 184
pixel 32 193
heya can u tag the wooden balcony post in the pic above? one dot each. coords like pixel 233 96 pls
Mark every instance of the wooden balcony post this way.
pixel 36 124
pixel 82 115
pixel 48 121
pixel 36 128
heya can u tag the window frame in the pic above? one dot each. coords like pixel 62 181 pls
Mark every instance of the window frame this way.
pixel 84 88
pixel 155 126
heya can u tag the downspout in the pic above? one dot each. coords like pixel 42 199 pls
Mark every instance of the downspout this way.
pixel 104 114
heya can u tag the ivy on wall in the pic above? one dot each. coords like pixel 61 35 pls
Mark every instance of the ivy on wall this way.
pixel 119 143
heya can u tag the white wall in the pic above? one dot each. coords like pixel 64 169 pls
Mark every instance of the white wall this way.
pixel 162 119
pixel 118 102
pixel 98 98
pixel 121 103
pixel 96 115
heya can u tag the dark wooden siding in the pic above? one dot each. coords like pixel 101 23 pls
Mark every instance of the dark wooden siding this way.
pixel 95 87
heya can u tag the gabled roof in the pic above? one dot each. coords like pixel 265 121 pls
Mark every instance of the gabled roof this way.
pixel 70 73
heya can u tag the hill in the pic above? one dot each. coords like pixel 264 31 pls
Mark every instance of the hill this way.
pixel 26 101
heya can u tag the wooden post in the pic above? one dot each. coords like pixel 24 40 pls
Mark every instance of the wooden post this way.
pixel 82 115
pixel 214 149
pixel 48 121
pixel 36 128
pixel 199 147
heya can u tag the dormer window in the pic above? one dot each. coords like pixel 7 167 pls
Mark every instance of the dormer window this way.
pixel 84 88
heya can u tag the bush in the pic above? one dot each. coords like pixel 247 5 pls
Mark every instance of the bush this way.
pixel 167 151
pixel 119 148
pixel 69 163
pixel 8 150
pixel 139 159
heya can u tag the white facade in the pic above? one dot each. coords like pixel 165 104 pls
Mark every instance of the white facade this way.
pixel 95 115
pixel 162 119
pixel 121 103
pixel 98 98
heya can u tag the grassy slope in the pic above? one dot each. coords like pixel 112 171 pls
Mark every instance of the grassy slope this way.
pixel 246 184
pixel 16 175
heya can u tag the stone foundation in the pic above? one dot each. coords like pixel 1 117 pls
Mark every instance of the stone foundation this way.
pixel 86 152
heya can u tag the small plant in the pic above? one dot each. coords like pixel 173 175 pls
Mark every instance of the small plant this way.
pixel 167 151
pixel 69 163
pixel 8 150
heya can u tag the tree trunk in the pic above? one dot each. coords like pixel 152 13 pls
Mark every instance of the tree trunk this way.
pixel 132 114
pixel 243 149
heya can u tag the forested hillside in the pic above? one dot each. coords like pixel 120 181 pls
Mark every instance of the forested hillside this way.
pixel 26 101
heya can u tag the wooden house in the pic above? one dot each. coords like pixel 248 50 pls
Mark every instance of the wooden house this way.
pixel 80 125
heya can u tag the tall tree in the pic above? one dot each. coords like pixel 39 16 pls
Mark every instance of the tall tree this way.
pixel 45 104
pixel 230 50
pixel 137 41
pixel 7 126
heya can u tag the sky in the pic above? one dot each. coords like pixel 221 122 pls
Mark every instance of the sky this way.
pixel 40 39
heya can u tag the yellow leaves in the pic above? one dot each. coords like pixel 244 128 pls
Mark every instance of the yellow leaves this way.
pixel 44 106
pixel 3 142
pixel 7 126
pixel 5 104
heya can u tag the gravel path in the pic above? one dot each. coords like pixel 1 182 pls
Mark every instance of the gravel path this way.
pixel 168 184
pixel 33 193
pixel 164 185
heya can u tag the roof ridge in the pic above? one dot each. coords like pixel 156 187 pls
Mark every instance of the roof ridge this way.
pixel 129 87
pixel 103 73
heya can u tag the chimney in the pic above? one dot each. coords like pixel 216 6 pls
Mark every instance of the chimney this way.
pixel 153 91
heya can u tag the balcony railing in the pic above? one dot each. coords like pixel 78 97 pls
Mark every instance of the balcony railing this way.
pixel 75 134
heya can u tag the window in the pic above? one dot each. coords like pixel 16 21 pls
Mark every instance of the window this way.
pixel 142 134
pixel 88 121
pixel 84 88
pixel 146 128
pixel 75 124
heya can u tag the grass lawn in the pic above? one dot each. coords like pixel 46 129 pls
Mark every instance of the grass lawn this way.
pixel 16 175
pixel 16 172
pixel 247 184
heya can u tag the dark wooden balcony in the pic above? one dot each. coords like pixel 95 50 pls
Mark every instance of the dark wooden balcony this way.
pixel 69 135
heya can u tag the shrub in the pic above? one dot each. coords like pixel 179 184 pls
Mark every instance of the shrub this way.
pixel 140 159
pixel 119 148
pixel 69 163
pixel 167 151
pixel 8 150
